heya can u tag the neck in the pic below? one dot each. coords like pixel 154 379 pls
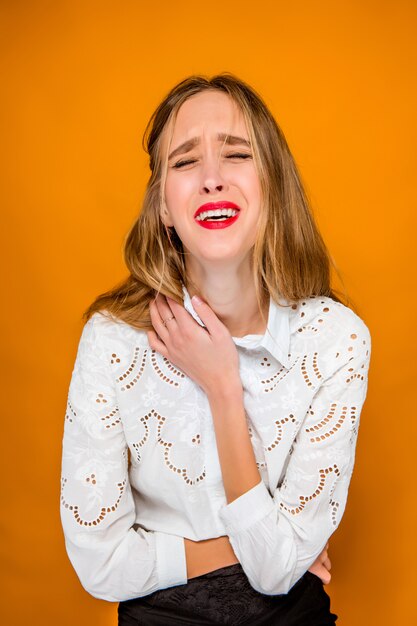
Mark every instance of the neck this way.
pixel 230 292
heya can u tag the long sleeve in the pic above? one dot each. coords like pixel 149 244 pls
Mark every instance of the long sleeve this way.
pixel 114 559
pixel 278 536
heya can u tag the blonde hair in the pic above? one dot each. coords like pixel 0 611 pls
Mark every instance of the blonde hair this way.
pixel 289 258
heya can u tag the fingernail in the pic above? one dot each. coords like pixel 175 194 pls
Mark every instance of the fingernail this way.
pixel 196 300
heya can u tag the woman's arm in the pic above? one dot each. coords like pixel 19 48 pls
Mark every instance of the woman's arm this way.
pixel 277 536
pixel 113 561
pixel 237 458
pixel 270 555
pixel 239 468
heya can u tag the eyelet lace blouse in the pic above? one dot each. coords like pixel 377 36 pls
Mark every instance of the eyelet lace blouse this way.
pixel 140 467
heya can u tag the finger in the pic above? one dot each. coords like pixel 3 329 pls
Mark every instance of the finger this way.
pixel 165 311
pixel 325 575
pixel 157 322
pixel 208 316
pixel 184 319
pixel 156 343
pixel 321 572
pixel 327 563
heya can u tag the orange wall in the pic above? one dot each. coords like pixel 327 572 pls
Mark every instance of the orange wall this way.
pixel 80 80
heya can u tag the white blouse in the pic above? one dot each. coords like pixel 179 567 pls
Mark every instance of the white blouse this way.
pixel 140 467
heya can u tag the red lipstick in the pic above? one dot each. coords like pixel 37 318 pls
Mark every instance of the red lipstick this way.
pixel 206 217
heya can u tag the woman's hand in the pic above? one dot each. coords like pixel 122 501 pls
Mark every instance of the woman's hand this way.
pixel 321 566
pixel 208 356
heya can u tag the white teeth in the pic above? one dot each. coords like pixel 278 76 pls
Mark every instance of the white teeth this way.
pixel 216 213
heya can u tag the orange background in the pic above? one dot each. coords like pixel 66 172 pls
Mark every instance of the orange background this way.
pixel 80 79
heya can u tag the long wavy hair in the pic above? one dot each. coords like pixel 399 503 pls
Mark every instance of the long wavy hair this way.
pixel 289 258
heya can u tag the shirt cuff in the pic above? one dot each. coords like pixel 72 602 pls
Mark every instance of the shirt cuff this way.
pixel 171 563
pixel 247 509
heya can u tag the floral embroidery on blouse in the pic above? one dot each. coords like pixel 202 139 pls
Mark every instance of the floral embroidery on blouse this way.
pixel 140 467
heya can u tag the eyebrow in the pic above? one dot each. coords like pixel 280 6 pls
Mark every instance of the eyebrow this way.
pixel 230 140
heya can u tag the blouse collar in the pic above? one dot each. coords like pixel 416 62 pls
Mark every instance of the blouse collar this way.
pixel 276 338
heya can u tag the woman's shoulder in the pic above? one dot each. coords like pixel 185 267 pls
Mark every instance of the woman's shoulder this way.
pixel 336 323
pixel 106 329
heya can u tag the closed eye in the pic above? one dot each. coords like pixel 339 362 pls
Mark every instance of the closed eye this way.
pixel 182 163
pixel 237 155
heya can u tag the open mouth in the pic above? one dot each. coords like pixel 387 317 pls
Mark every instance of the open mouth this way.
pixel 216 215
pixel 222 218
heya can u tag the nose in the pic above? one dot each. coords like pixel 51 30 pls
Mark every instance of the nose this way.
pixel 212 179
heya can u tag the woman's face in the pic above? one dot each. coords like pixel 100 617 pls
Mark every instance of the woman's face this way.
pixel 206 173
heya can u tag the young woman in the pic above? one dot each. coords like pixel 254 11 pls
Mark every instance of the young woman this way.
pixel 214 405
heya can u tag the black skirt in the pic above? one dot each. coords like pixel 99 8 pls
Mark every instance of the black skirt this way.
pixel 225 596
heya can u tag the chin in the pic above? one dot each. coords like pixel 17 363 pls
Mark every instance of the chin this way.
pixel 222 255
